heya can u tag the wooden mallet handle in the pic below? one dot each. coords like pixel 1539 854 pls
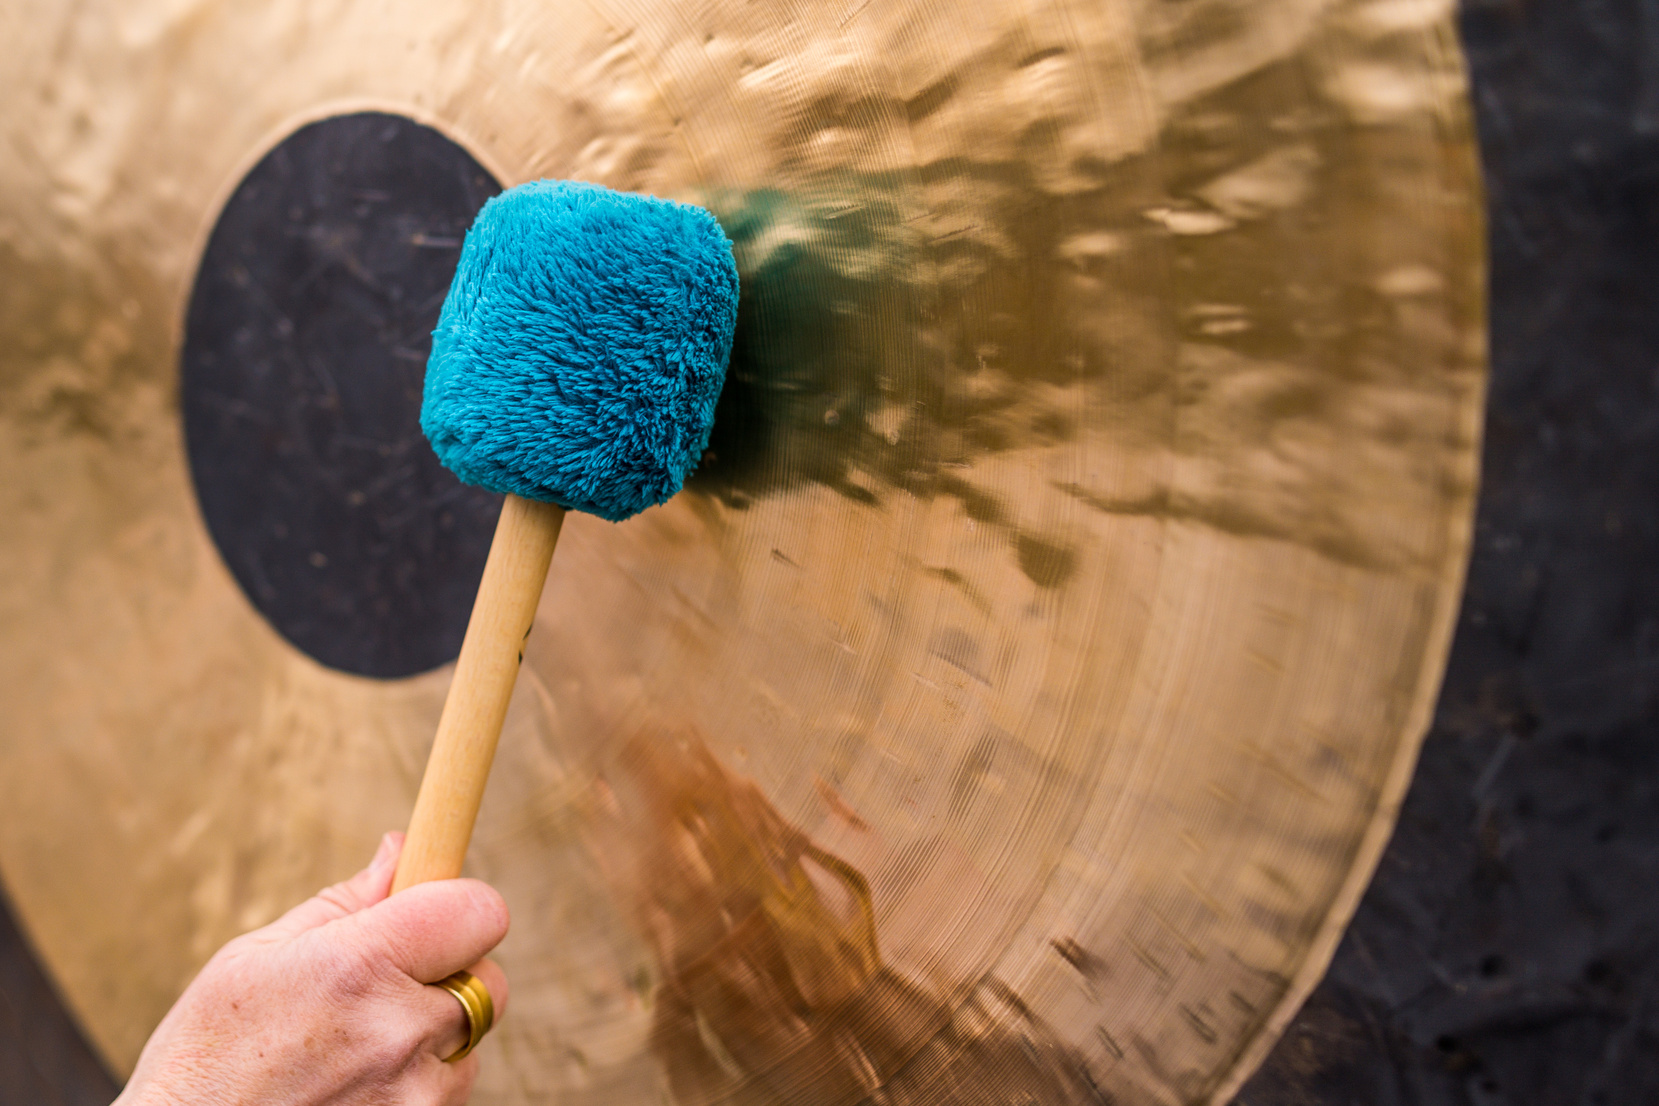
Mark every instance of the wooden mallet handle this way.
pixel 459 766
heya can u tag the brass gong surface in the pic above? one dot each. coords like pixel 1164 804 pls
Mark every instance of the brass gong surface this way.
pixel 1016 703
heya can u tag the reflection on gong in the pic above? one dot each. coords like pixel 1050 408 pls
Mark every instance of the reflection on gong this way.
pixel 1016 701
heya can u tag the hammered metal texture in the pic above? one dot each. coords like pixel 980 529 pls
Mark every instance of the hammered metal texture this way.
pixel 1016 703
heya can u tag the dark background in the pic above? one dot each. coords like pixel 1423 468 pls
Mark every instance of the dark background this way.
pixel 1508 950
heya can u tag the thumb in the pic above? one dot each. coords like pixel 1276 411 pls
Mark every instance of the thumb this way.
pixel 432 929
pixel 360 892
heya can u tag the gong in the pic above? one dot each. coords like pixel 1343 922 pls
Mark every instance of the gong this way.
pixel 1016 702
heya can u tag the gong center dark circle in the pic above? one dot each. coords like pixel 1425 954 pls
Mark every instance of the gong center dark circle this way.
pixel 304 353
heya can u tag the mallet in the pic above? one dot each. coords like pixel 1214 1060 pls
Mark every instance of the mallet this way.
pixel 576 365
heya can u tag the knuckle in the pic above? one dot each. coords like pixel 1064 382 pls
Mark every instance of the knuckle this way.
pixel 340 897
pixel 394 1048
pixel 459 1081
pixel 433 1017
pixel 401 1046
pixel 348 970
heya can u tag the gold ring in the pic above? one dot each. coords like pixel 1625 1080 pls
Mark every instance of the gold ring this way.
pixel 474 998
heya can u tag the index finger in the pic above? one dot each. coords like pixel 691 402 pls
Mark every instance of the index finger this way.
pixel 359 892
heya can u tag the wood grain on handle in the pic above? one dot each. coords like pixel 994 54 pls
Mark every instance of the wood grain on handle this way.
pixel 459 766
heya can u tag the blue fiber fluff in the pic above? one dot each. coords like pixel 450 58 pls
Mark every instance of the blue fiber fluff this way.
pixel 582 347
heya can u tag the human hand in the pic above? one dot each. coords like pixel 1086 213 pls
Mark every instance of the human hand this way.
pixel 329 1003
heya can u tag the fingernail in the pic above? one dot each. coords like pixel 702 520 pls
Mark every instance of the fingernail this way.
pixel 383 854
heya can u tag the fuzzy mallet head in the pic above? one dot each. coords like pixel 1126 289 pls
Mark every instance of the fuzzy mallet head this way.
pixel 582 347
